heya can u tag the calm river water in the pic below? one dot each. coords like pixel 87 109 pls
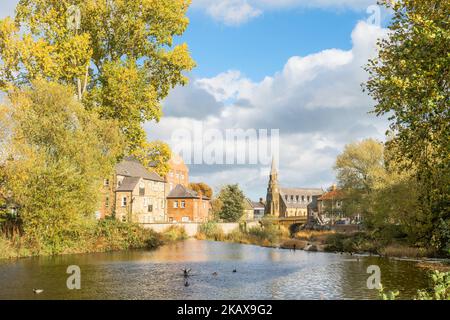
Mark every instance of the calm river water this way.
pixel 262 273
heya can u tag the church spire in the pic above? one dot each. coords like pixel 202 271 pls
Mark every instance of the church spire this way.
pixel 273 168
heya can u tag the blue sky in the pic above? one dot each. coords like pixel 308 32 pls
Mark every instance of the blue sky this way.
pixel 263 45
pixel 291 65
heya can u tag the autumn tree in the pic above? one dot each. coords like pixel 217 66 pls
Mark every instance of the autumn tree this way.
pixel 55 158
pixel 203 188
pixel 409 80
pixel 119 55
pixel 155 155
pixel 232 200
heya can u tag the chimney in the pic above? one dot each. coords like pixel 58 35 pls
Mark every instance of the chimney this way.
pixel 260 200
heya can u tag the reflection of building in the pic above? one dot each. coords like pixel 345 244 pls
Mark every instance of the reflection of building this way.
pixel 184 205
pixel 134 194
pixel 330 204
pixel 290 202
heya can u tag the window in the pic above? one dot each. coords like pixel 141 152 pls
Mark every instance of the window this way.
pixel 107 202
pixel 178 175
pixel 303 198
pixel 183 204
pixel 185 219
pixel 145 203
pixel 142 189
pixel 124 201
pixel 308 198
pixel 156 204
pixel 171 186
pixel 182 177
pixel 297 198
pixel 150 208
pixel 106 182
pixel 171 174
pixel 175 204
pixel 286 198
pixel 292 198
pixel 204 205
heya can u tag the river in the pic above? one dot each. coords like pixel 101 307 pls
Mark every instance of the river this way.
pixel 261 273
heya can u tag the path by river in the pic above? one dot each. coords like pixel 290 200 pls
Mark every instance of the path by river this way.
pixel 262 273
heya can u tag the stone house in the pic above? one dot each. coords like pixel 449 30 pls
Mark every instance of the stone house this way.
pixel 134 194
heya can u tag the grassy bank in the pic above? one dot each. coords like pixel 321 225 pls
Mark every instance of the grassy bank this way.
pixel 105 235
pixel 272 235
pixel 266 235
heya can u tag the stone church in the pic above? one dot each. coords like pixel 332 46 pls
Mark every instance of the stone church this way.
pixel 290 202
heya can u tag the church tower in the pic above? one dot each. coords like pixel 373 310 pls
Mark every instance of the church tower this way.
pixel 273 192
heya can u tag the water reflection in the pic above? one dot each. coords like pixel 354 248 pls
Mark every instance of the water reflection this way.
pixel 262 273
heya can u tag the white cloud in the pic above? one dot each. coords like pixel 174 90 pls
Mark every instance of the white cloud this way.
pixel 236 12
pixel 316 101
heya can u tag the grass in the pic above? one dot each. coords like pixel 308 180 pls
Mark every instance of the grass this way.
pixel 103 236
pixel 267 235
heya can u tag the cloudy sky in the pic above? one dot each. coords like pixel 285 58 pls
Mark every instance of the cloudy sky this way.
pixel 292 65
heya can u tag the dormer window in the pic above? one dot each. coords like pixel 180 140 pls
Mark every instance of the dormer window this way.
pixel 106 182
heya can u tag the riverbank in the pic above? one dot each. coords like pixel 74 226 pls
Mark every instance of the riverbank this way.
pixel 105 236
pixel 271 235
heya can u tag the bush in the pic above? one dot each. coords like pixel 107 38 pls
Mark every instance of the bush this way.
pixel 211 231
pixel 174 233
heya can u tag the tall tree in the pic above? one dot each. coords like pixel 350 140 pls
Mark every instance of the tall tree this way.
pixel 57 154
pixel 410 82
pixel 118 54
pixel 232 199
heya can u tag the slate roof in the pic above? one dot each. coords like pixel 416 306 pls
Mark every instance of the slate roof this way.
pixel 181 191
pixel 128 184
pixel 314 193
pixel 130 167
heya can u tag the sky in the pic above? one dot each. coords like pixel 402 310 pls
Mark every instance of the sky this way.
pixel 291 65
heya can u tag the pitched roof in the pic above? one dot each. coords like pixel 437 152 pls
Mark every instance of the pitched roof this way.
pixel 181 191
pixel 314 193
pixel 301 191
pixel 128 184
pixel 332 195
pixel 257 205
pixel 130 167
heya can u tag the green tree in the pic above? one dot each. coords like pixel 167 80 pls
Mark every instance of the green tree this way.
pixel 409 80
pixel 56 156
pixel 359 170
pixel 232 199
pixel 120 57
pixel 203 188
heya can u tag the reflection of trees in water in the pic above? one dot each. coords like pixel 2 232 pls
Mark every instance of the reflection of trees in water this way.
pixel 404 276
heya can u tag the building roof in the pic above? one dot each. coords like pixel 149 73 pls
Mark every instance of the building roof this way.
pixel 181 191
pixel 258 205
pixel 128 184
pixel 301 191
pixel 130 167
pixel 334 194
pixel 314 193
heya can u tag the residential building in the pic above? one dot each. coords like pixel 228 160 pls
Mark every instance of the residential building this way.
pixel 184 205
pixel 134 194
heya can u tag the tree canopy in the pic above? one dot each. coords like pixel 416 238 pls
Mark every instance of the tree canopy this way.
pixel 119 55
pixel 55 158
pixel 409 80
pixel 232 200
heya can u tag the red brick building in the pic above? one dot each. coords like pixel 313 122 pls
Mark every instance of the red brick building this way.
pixel 184 205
